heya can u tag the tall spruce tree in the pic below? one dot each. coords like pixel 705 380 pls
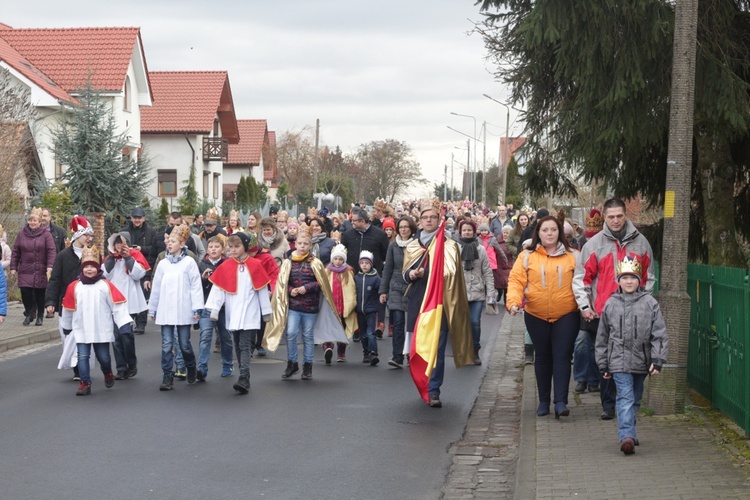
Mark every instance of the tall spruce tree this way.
pixel 189 202
pixel 595 78
pixel 99 177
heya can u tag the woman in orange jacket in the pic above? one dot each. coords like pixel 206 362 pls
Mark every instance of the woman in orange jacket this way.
pixel 541 282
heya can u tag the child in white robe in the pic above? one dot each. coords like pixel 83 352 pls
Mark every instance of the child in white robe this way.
pixel 241 286
pixel 90 305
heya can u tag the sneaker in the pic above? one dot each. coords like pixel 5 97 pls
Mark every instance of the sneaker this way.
pixel 84 389
pixel 580 387
pixel 291 368
pixel 167 383
pixel 200 375
pixel 120 375
pixel 139 330
pixel 76 378
pixel 307 371
pixel 379 330
pixel 435 401
pixel 627 446
pixel 366 359
pixel 180 374
pixel 396 362
pixel 109 380
pixel 607 415
pixel 594 388
pixel 132 371
pixel 227 372
pixel 356 336
pixel 191 374
pixel 341 359
pixel 262 352
pixel 374 359
pixel 328 355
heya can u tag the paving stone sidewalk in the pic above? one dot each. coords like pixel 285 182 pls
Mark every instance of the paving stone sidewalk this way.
pixel 508 452
pixel 13 334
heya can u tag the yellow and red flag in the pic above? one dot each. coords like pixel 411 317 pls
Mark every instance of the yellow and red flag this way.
pixel 424 339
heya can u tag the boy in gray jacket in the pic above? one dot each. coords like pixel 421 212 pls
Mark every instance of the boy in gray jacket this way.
pixel 631 343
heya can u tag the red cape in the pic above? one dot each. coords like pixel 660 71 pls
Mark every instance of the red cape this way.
pixel 139 258
pixel 225 276
pixel 69 300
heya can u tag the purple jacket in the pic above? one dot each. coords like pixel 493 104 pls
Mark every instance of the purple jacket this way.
pixel 32 255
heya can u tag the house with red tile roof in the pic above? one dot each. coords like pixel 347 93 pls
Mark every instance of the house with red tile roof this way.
pixel 54 64
pixel 191 124
pixel 249 157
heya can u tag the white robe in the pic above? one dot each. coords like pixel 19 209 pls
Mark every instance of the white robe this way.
pixel 177 292
pixel 243 309
pixel 91 322
pixel 129 284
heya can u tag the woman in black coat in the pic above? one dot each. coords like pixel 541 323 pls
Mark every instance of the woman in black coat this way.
pixel 393 286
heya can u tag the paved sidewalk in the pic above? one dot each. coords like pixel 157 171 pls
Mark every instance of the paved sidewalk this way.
pixel 13 334
pixel 508 452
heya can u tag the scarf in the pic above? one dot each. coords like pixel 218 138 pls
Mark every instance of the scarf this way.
pixel 402 243
pixel 337 269
pixel 469 252
pixel 174 259
pixel 299 258
pixel 338 293
pixel 90 281
pixel 425 237
pixel 317 238
pixel 268 239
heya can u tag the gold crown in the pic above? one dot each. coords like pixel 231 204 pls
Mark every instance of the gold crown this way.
pixel 594 221
pixel 283 215
pixel 212 215
pixel 629 265
pixel 35 212
pixel 381 205
pixel 182 232
pixel 312 212
pixel 90 254
pixel 235 214
pixel 433 204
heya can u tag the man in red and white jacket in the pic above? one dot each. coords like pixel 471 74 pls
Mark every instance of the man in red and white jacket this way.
pixel 595 277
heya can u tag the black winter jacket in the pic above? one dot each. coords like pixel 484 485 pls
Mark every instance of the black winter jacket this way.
pixel 65 271
pixel 373 240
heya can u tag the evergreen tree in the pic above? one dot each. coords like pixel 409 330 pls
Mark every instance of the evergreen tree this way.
pixel 99 177
pixel 595 76
pixel 163 210
pixel 513 187
pixel 241 196
pixel 189 202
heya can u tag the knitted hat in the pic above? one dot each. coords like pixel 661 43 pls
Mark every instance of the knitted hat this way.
pixel 389 222
pixel 484 227
pixel 339 251
pixel 80 226
pixel 568 229
pixel 292 223
pixel 542 212
pixel 323 212
pixel 629 266
pixel 245 238
pixel 365 255
pixel 90 257
pixel 594 223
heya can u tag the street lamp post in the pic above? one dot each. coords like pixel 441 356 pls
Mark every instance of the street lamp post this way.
pixel 472 195
pixel 507 145
pixel 474 175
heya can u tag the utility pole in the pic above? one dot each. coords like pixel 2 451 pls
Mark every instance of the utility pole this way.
pixel 315 160
pixel 471 174
pixel 445 184
pixel 484 163
pixel 666 392
pixel 451 176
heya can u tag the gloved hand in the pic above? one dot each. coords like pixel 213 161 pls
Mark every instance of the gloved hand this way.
pixel 66 332
pixel 266 318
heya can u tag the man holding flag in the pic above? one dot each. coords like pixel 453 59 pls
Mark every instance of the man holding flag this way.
pixel 437 306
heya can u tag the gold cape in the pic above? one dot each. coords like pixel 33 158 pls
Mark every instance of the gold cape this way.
pixel 351 324
pixel 331 329
pixel 455 302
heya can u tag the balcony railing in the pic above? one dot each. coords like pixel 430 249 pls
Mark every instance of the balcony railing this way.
pixel 215 149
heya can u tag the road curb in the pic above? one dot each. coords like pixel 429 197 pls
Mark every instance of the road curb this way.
pixel 32 337
pixel 526 468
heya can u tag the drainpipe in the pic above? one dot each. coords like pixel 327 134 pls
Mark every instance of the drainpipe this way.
pixel 192 158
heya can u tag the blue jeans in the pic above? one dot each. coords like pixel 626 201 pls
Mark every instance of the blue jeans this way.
pixel 101 351
pixel 367 332
pixel 629 394
pixel 295 322
pixel 553 347
pixel 584 361
pixel 398 319
pixel 167 344
pixel 438 373
pixel 475 315
pixel 204 346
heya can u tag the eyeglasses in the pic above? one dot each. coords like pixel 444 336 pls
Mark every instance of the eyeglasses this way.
pixel 429 217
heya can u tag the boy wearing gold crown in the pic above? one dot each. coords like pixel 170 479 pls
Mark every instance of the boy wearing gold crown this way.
pixel 90 305
pixel 631 343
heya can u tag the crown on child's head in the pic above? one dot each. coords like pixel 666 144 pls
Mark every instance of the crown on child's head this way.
pixel 629 266
pixel 381 205
pixel 182 232
pixel 312 212
pixel 90 255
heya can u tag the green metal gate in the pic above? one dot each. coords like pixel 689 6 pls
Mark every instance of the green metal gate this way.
pixel 719 348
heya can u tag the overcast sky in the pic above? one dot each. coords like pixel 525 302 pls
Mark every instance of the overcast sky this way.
pixel 392 69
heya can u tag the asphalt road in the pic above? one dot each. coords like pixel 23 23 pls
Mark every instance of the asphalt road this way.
pixel 354 431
